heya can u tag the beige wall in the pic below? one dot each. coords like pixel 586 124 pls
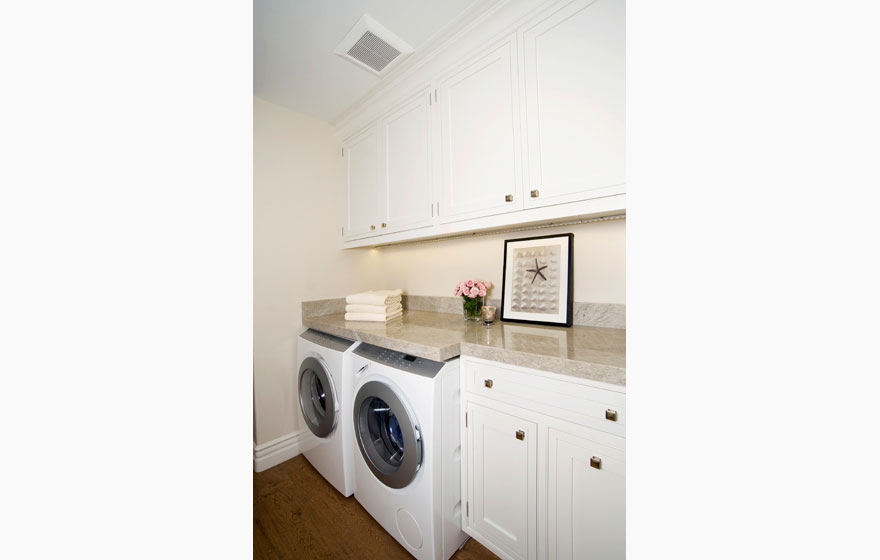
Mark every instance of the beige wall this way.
pixel 296 254
pixel 433 269
pixel 297 202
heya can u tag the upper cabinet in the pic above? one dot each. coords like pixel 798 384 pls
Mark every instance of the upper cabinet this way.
pixel 519 119
pixel 406 192
pixel 388 181
pixel 361 181
pixel 575 102
pixel 479 136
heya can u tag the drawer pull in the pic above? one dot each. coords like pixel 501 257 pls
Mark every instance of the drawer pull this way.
pixel 535 193
pixel 508 198
pixel 596 462
pixel 521 435
pixel 488 383
pixel 611 415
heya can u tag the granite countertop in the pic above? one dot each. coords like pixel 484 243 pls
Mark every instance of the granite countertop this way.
pixel 593 353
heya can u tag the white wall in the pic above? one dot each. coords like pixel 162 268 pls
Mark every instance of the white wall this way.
pixel 433 269
pixel 296 255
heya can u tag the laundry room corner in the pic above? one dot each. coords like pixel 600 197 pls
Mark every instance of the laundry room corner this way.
pixel 296 258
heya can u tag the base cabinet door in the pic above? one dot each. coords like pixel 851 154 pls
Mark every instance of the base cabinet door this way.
pixel 575 103
pixel 586 498
pixel 502 481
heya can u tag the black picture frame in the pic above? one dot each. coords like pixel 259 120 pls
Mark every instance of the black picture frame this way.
pixel 510 316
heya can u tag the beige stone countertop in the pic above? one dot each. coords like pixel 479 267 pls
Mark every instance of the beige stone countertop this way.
pixel 594 353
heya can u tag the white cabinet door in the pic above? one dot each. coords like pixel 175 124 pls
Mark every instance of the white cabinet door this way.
pixel 575 103
pixel 406 173
pixel 586 495
pixel 480 168
pixel 361 179
pixel 502 481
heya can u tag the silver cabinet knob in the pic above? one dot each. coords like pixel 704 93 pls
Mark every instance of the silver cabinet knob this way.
pixel 488 383
pixel 520 435
pixel 596 462
pixel 535 193
pixel 508 198
pixel 372 227
pixel 611 415
pixel 384 224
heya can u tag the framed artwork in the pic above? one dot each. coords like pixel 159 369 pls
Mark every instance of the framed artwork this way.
pixel 538 280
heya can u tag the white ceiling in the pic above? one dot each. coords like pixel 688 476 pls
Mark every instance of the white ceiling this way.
pixel 294 63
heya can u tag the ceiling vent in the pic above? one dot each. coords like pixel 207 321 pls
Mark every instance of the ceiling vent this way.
pixel 372 47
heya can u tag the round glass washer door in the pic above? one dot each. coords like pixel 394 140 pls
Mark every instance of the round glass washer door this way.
pixel 387 435
pixel 317 397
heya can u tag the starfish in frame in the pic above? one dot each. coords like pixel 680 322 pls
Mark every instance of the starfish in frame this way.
pixel 537 270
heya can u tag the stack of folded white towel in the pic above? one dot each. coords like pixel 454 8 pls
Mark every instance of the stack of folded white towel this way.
pixel 379 305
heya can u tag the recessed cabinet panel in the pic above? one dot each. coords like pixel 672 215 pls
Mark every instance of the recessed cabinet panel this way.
pixel 479 130
pixel 407 179
pixel 502 485
pixel 586 498
pixel 361 154
pixel 575 102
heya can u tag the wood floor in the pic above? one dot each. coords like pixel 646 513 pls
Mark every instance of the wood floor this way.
pixel 298 515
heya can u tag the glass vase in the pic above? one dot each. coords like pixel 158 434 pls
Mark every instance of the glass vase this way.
pixel 472 308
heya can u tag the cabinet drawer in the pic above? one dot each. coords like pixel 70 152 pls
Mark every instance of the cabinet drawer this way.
pixel 590 406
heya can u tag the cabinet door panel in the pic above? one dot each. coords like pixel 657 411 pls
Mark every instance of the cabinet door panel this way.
pixel 586 505
pixel 574 68
pixel 407 177
pixel 361 155
pixel 480 160
pixel 503 480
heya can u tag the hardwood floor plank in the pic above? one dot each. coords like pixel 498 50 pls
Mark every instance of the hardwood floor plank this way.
pixel 299 515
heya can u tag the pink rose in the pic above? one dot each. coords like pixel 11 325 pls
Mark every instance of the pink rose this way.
pixel 457 291
pixel 475 291
pixel 483 292
pixel 488 285
pixel 470 283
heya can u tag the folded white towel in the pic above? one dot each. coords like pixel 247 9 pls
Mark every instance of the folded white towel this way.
pixel 361 308
pixel 376 297
pixel 379 317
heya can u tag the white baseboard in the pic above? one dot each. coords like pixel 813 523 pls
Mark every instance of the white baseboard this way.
pixel 279 450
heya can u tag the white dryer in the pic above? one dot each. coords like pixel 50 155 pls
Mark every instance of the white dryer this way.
pixel 407 462
pixel 325 397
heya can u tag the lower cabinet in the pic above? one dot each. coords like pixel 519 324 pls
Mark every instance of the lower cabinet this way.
pixel 537 486
pixel 586 497
pixel 503 478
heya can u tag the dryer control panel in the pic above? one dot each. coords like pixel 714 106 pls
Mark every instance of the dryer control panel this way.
pixel 399 360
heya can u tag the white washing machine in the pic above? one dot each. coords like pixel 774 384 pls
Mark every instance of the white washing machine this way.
pixel 325 399
pixel 407 458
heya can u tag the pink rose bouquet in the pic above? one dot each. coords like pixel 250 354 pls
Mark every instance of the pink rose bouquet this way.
pixel 472 293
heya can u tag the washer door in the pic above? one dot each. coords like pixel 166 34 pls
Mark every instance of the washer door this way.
pixel 317 397
pixel 387 435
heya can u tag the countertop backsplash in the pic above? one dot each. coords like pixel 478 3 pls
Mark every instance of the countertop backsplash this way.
pixel 607 315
